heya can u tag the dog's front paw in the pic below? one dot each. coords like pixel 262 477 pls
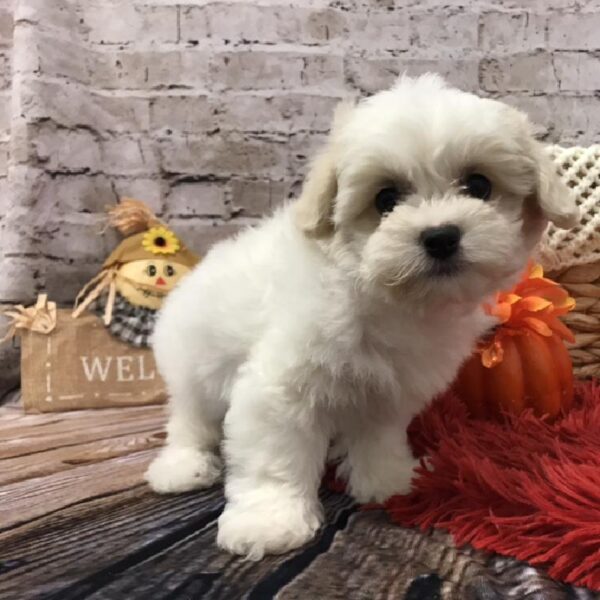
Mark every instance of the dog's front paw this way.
pixel 271 528
pixel 378 484
pixel 183 469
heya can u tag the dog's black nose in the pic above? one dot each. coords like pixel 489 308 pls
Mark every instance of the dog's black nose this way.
pixel 441 242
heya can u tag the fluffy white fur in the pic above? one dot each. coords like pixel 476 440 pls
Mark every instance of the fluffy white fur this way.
pixel 328 323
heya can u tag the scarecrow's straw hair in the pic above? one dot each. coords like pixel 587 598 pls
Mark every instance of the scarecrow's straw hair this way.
pixel 131 216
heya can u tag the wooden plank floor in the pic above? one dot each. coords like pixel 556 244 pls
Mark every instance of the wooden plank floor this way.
pixel 62 467
pixel 77 521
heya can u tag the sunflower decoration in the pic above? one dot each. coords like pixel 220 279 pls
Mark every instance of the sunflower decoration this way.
pixel 159 240
pixel 138 275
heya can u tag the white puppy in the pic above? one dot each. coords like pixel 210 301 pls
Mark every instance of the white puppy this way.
pixel 341 316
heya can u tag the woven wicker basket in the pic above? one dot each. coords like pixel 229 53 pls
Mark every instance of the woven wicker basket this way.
pixel 573 257
pixel 583 283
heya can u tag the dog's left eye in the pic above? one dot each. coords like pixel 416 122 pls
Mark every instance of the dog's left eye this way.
pixel 386 199
pixel 478 186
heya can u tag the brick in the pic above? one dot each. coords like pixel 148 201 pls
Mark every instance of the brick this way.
pixel 65 150
pixel 5 71
pixel 512 32
pixel 223 155
pixel 72 106
pixel 151 190
pixel 380 31
pixel 9 367
pixel 182 114
pixel 372 75
pixel 450 30
pixel 286 113
pixel 21 134
pixel 509 5
pixel 254 198
pixel 16 236
pixel 247 70
pixel 200 235
pixel 546 6
pixel 151 69
pixel 25 62
pixel 262 24
pixel 460 73
pixel 75 236
pixel 123 155
pixel 52 56
pixel 63 281
pixel 577 71
pixel 4 148
pixel 576 115
pixel 25 185
pixel 115 114
pixel 58 15
pixel 77 193
pixel 6 27
pixel 18 283
pixel 523 72
pixel 574 31
pixel 5 117
pixel 5 200
pixel 55 57
pixel 537 108
pixel 301 149
pixel 563 119
pixel 197 198
pixel 125 22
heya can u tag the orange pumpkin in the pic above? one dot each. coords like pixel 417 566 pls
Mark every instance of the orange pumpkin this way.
pixel 524 363
pixel 536 372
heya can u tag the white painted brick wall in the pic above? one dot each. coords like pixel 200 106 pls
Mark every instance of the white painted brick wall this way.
pixel 210 110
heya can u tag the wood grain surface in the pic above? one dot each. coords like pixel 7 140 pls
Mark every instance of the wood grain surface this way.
pixel 77 521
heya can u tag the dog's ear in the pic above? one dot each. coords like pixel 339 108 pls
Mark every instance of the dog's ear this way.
pixel 554 198
pixel 314 208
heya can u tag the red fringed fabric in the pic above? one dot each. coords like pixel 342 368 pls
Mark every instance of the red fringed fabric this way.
pixel 524 488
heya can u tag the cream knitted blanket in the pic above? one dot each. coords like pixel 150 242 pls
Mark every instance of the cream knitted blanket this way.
pixel 579 168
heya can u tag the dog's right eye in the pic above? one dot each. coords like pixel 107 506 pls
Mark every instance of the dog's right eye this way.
pixel 386 199
pixel 478 186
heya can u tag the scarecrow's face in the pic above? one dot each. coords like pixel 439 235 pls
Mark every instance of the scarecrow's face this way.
pixel 147 282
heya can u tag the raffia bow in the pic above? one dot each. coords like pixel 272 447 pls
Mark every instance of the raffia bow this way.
pixel 40 318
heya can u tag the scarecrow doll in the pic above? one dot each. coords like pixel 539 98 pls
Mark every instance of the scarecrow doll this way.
pixel 137 276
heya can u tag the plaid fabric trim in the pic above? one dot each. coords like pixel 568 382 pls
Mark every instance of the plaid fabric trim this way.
pixel 131 324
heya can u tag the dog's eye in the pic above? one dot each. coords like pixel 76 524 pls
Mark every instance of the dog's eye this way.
pixel 386 200
pixel 478 186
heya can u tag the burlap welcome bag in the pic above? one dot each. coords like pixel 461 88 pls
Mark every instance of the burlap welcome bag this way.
pixel 69 363
pixel 97 355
